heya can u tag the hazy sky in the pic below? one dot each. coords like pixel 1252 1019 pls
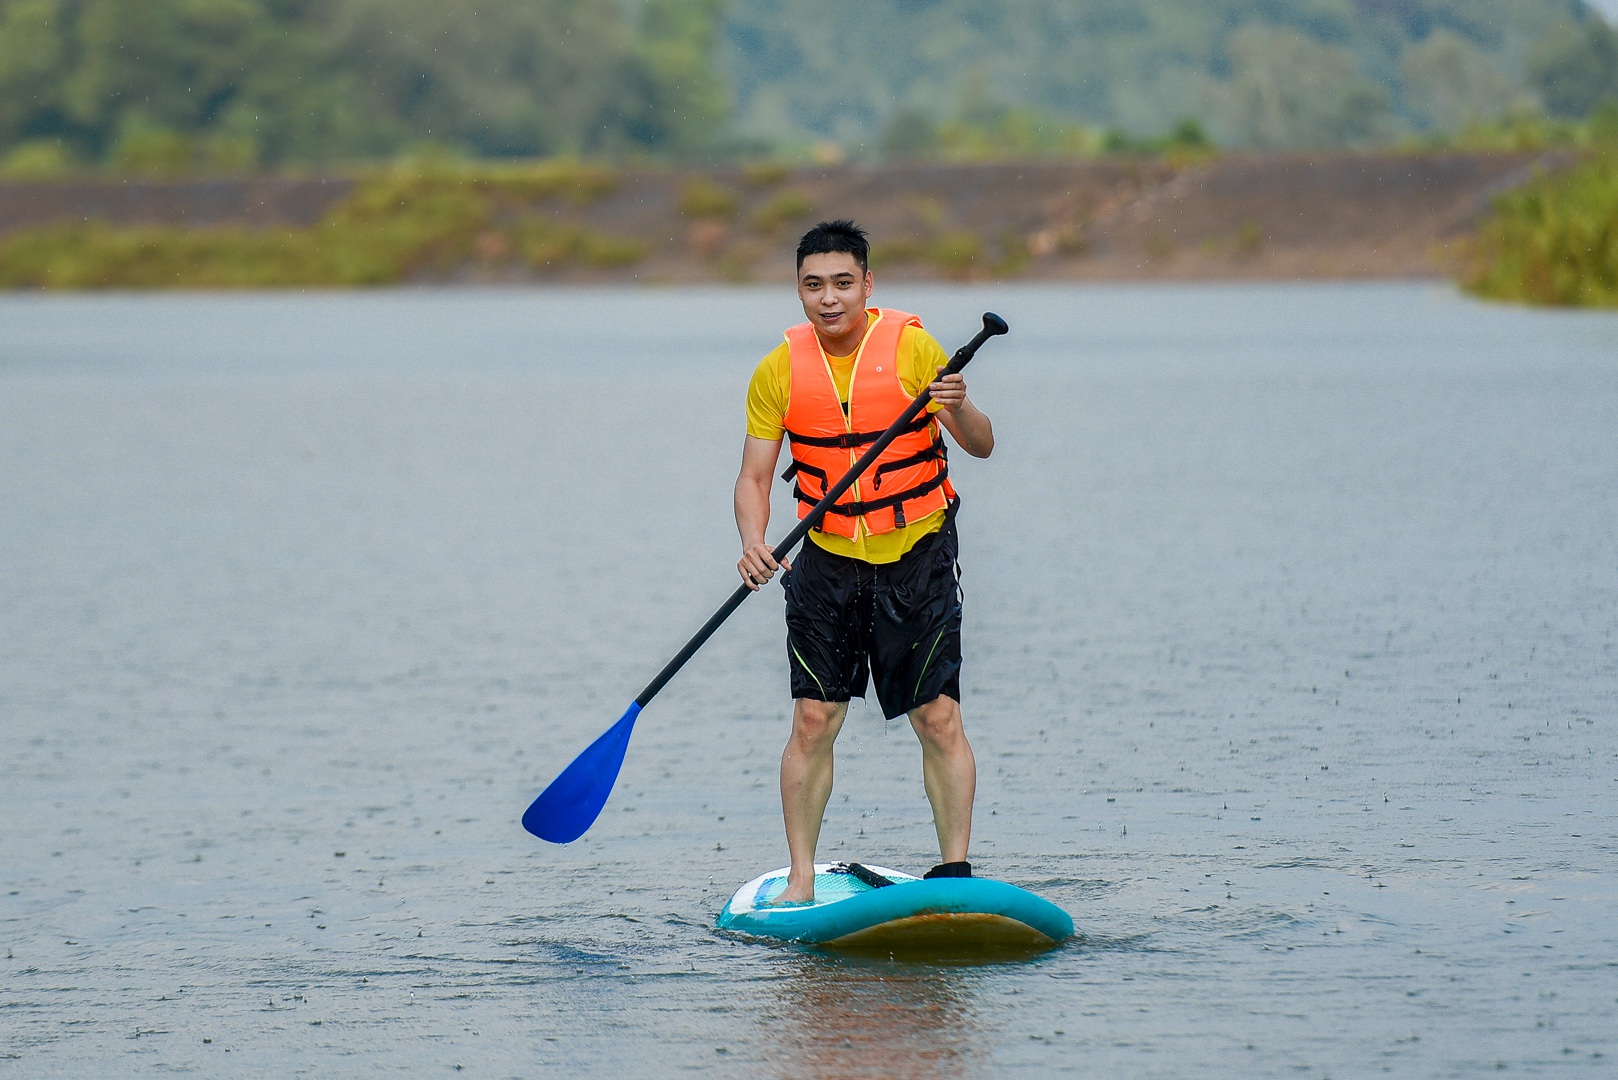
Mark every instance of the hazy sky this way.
pixel 1609 8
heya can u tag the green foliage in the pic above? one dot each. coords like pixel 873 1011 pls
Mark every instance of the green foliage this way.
pixel 1527 130
pixel 1016 133
pixel 1249 238
pixel 680 99
pixel 955 253
pixel 1289 90
pixel 159 152
pixel 783 208
pixel 1554 241
pixel 702 198
pixel 1522 131
pixel 578 183
pixel 547 245
pixel 31 54
pixel 1576 68
pixel 1014 255
pixel 1187 138
pixel 513 79
pixel 983 127
pixel 37 159
pixel 101 74
pixel 393 227
pixel 159 86
pixel 1188 134
pixel 93 255
pixel 1451 84
pixel 910 134
pixel 766 173
pixel 1136 66
pixel 532 77
pixel 897 251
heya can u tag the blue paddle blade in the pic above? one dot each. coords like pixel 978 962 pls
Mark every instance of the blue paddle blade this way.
pixel 574 799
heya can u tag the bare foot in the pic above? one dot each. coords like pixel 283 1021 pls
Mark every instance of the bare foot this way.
pixel 794 894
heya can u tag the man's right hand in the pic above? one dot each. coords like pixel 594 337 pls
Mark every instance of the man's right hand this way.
pixel 753 510
pixel 758 566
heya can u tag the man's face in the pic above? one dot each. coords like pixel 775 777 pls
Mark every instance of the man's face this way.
pixel 834 290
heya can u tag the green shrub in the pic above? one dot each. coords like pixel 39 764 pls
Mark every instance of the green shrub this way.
pixel 897 252
pixel 957 253
pixel 1014 255
pixel 411 223
pixel 575 182
pixel 767 173
pixel 1249 238
pixel 94 255
pixel 546 245
pixel 154 153
pixel 37 159
pixel 783 208
pixel 706 199
pixel 1554 241
pixel 393 226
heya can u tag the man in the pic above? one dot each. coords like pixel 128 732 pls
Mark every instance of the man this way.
pixel 873 592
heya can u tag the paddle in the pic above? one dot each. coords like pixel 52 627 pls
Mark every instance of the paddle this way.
pixel 573 801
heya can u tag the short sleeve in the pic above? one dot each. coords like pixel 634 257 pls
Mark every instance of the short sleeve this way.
pixel 921 358
pixel 767 395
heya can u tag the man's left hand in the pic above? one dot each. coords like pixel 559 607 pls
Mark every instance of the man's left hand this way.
pixel 950 391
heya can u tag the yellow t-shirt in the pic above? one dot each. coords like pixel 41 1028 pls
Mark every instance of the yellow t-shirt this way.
pixel 920 360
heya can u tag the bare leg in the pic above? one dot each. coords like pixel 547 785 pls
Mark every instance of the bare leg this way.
pixel 949 772
pixel 806 773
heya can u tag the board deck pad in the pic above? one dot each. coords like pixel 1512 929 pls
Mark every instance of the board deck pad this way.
pixel 913 917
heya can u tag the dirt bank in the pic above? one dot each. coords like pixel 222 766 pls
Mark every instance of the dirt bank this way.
pixel 1337 215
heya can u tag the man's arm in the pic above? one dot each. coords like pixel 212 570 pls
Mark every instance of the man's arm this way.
pixel 753 510
pixel 962 419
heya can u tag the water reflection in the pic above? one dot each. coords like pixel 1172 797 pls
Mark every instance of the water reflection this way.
pixel 843 1017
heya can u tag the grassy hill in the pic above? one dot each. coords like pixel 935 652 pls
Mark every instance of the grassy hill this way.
pixel 1387 214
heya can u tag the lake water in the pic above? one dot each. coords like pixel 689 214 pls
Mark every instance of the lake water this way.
pixel 1292 671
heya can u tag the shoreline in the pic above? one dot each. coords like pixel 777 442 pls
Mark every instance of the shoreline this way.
pixel 1339 216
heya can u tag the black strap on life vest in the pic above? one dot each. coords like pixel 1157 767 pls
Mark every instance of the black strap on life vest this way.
pixel 935 452
pixel 808 470
pixel 850 440
pixel 866 506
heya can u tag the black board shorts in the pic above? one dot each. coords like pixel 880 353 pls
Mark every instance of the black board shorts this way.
pixel 848 620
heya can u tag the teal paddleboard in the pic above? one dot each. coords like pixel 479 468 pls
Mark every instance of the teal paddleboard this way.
pixel 865 908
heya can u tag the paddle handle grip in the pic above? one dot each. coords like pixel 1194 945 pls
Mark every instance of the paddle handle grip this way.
pixel 993 326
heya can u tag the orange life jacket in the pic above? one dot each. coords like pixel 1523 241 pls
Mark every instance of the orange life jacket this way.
pixel 911 478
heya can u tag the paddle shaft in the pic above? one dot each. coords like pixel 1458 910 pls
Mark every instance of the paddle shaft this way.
pixel 992 325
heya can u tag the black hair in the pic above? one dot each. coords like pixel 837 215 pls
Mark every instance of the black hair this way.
pixel 842 236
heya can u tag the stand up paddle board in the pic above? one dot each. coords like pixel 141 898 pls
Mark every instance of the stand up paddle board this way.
pixel 871 909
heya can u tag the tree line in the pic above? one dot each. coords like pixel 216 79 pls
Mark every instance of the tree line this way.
pixel 244 83
pixel 931 77
pixel 233 85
